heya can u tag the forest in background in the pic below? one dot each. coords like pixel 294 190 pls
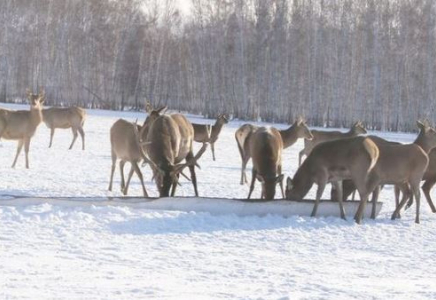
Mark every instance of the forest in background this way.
pixel 331 61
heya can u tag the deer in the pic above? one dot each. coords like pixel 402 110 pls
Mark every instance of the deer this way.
pixel 404 166
pixel 70 117
pixel 334 161
pixel 289 136
pixel 21 125
pixel 266 147
pixel 202 131
pixel 429 179
pixel 125 145
pixel 170 141
pixel 324 136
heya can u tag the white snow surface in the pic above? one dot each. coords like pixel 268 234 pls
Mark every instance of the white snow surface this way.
pixel 52 250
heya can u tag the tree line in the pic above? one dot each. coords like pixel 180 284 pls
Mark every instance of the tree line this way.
pixel 331 61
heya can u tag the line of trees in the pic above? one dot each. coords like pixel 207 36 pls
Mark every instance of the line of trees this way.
pixel 332 61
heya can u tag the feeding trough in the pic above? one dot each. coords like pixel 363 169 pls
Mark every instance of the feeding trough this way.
pixel 214 206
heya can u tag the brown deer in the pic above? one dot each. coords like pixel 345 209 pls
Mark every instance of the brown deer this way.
pixel 429 179
pixel 266 147
pixel 334 161
pixel 324 136
pixel 125 145
pixel 71 117
pixel 202 131
pixel 21 125
pixel 170 140
pixel 289 136
pixel 403 166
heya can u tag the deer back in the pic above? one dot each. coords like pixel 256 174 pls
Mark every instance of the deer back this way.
pixel 351 158
pixel 124 141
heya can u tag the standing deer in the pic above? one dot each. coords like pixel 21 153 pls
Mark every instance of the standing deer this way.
pixel 289 136
pixel 324 136
pixel 266 147
pixel 21 125
pixel 170 140
pixel 334 161
pixel 71 117
pixel 125 145
pixel 201 132
pixel 402 165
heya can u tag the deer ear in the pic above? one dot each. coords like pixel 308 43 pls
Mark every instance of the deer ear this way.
pixel 421 126
pixel 260 178
pixel 28 93
pixel 148 107
pixel 162 109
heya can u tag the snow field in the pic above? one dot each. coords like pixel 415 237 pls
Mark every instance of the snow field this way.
pixel 52 251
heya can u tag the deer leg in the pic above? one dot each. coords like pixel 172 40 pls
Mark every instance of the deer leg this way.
pixel 319 192
pixel 19 147
pixel 339 189
pixel 281 181
pixel 417 193
pixel 126 188
pixel 123 182
pixel 138 172
pixel 52 131
pixel 74 130
pixel 174 186
pixel 374 199
pixel 114 160
pixel 300 157
pixel 243 174
pixel 82 135
pixel 253 179
pixel 212 146
pixel 397 195
pixel 426 188
pixel 194 179
pixel 396 213
pixel 26 151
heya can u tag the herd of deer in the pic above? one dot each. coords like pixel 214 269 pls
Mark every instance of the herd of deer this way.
pixel 347 160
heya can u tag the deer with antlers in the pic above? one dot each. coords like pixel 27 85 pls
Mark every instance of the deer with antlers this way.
pixel 324 136
pixel 289 136
pixel 202 132
pixel 64 118
pixel 335 161
pixel 266 147
pixel 21 125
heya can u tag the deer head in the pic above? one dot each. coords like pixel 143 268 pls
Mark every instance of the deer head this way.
pixel 302 130
pixel 269 185
pixel 358 128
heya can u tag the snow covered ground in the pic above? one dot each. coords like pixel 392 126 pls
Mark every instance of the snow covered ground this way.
pixel 52 250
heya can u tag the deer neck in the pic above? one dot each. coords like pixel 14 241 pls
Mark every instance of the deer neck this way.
pixel 424 143
pixel 350 133
pixel 35 116
pixel 289 136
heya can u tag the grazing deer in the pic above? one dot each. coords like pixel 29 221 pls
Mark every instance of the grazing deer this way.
pixel 201 132
pixel 324 136
pixel 125 145
pixel 289 136
pixel 334 161
pixel 21 125
pixel 170 140
pixel 71 117
pixel 266 147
